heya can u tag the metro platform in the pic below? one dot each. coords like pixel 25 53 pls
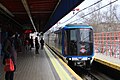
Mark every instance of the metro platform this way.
pixel 42 66
pixel 108 61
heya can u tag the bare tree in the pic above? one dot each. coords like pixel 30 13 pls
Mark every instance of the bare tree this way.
pixel 103 20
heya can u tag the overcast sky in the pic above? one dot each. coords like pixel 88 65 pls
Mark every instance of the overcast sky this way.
pixel 89 2
pixel 85 4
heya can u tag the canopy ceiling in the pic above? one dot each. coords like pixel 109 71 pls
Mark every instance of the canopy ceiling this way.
pixel 39 15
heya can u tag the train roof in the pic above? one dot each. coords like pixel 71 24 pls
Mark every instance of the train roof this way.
pixel 77 26
pixel 69 26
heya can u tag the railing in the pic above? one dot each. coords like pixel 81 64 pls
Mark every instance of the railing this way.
pixel 107 43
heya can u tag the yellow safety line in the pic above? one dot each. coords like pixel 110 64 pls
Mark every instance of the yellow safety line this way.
pixel 108 63
pixel 68 68
pixel 59 69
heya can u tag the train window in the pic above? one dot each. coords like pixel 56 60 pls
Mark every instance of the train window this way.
pixel 86 35
pixel 85 42
pixel 76 39
pixel 59 40
pixel 73 35
pixel 65 43
pixel 71 42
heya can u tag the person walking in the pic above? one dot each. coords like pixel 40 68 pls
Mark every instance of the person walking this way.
pixel 36 44
pixel 9 51
pixel 42 43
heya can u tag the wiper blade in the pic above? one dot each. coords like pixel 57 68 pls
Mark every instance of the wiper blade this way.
pixel 85 38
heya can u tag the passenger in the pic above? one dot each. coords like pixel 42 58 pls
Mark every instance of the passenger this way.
pixel 31 42
pixel 26 43
pixel 42 43
pixel 36 44
pixel 9 51
pixel 17 43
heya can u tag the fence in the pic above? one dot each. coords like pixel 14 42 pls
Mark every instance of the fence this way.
pixel 107 43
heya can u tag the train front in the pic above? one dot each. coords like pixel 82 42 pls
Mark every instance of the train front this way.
pixel 78 45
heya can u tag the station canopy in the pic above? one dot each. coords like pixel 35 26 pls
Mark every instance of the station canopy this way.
pixel 39 15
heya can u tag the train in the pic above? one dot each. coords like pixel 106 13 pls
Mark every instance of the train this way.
pixel 75 43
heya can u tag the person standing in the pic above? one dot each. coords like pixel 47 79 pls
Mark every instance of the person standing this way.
pixel 17 43
pixel 27 43
pixel 36 44
pixel 9 51
pixel 42 43
pixel 31 42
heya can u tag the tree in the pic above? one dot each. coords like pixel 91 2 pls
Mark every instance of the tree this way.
pixel 106 19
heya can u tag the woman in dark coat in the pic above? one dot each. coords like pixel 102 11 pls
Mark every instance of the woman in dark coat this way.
pixel 9 51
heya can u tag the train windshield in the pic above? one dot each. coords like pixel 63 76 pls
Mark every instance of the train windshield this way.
pixel 80 42
pixel 85 35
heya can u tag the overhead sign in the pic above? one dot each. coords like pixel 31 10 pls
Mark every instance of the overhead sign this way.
pixel 26 27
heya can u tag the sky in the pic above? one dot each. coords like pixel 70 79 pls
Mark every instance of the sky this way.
pixel 83 5
pixel 89 2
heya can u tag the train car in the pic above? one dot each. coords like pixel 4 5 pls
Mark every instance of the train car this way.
pixel 75 43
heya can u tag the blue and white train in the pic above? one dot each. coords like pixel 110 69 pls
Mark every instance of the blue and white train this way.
pixel 75 42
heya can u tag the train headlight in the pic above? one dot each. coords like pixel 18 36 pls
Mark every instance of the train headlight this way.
pixel 70 58
pixel 89 58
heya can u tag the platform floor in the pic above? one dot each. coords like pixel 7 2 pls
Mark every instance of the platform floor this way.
pixel 41 66
pixel 33 66
pixel 108 60
pixel 44 66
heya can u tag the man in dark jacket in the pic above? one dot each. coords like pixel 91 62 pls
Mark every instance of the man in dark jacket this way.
pixel 42 43
pixel 31 42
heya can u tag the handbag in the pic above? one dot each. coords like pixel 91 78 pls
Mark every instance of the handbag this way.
pixel 9 65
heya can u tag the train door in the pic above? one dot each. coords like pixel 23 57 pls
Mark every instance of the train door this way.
pixel 65 43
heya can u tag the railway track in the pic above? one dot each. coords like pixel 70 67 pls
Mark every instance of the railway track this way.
pixel 89 76
pixel 92 74
pixel 85 74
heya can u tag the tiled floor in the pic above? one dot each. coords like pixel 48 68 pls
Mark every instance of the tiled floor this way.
pixel 32 66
